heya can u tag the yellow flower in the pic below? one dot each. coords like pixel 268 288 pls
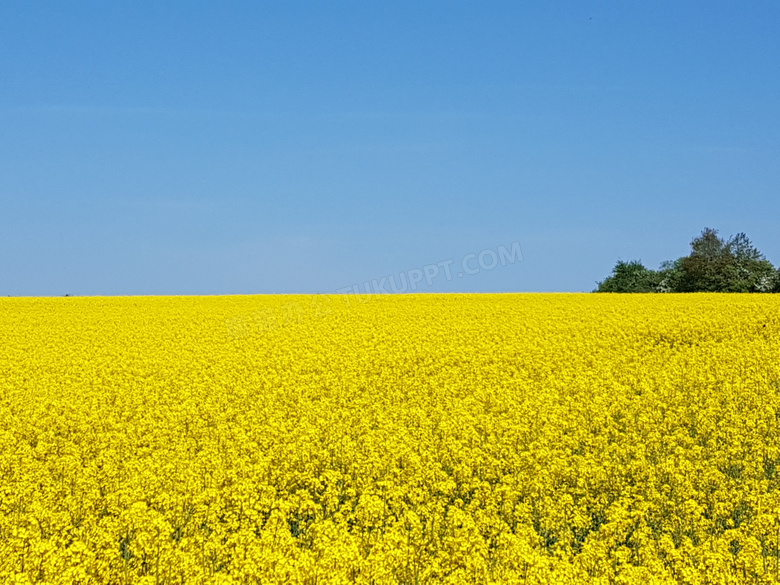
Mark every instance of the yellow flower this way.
pixel 301 439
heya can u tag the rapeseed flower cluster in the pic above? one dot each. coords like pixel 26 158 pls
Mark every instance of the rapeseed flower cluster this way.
pixel 390 439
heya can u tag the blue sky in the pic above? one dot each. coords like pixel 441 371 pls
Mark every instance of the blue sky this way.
pixel 230 147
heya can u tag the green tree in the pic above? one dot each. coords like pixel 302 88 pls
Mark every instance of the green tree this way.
pixel 630 277
pixel 776 282
pixel 718 265
pixel 714 265
pixel 670 275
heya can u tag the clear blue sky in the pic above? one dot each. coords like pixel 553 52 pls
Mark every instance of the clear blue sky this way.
pixel 231 147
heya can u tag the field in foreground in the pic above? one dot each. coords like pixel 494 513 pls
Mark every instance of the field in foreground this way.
pixel 395 439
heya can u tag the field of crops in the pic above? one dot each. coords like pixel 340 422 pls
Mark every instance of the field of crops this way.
pixel 394 439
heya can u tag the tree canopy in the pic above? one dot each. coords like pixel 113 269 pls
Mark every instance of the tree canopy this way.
pixel 713 265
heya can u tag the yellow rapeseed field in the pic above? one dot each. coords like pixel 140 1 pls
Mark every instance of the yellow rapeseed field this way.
pixel 521 438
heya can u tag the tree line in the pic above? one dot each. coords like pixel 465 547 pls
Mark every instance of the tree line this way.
pixel 714 264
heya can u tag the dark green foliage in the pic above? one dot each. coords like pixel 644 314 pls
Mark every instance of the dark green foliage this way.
pixel 630 277
pixel 671 275
pixel 714 265
pixel 718 265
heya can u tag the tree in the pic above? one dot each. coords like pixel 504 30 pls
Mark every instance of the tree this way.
pixel 754 272
pixel 714 265
pixel 670 275
pixel 718 265
pixel 776 282
pixel 630 277
pixel 705 268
